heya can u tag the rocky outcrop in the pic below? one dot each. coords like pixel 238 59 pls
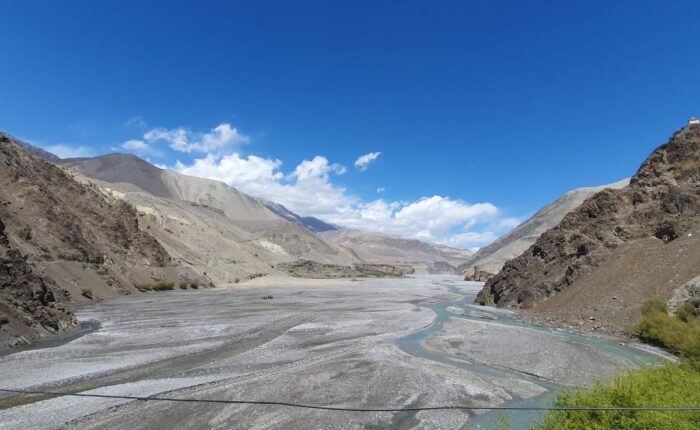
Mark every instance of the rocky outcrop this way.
pixel 689 292
pixel 662 202
pixel 29 304
pixel 493 256
pixel 475 274
pixel 315 270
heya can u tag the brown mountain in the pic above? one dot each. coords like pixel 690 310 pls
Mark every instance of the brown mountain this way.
pixel 617 249
pixel 59 235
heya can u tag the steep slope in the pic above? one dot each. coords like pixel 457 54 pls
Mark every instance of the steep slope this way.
pixel 491 258
pixel 206 224
pixel 60 235
pixel 379 248
pixel 619 248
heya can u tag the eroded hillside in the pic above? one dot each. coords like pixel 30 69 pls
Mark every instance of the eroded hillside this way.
pixel 619 248
pixel 60 236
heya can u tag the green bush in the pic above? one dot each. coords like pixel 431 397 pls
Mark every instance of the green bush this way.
pixel 183 285
pixel 25 233
pixel 669 385
pixel 86 292
pixel 194 283
pixel 164 285
pixel 679 333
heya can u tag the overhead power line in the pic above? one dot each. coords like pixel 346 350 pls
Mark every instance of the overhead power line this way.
pixel 350 409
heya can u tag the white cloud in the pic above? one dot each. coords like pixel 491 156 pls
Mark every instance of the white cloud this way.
pixel 308 190
pixel 183 140
pixel 381 189
pixel 66 151
pixel 317 167
pixel 135 145
pixel 363 161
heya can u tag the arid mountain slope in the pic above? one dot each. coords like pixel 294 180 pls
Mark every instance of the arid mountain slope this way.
pixel 379 248
pixel 256 231
pixel 637 242
pixel 60 235
pixel 131 173
pixel 206 224
pixel 491 258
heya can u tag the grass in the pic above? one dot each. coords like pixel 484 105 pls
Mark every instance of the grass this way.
pixel 672 384
pixel 158 286
pixel 86 292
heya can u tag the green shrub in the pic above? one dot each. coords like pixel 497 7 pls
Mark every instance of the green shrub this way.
pixel 195 286
pixel 668 385
pixel 4 320
pixel 86 292
pixel 25 233
pixel 164 285
pixel 183 285
pixel 679 333
pixel 194 283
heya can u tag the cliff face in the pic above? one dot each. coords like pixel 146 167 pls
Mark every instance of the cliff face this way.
pixel 661 204
pixel 57 236
pixel 28 303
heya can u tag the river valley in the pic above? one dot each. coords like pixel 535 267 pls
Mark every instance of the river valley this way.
pixel 376 343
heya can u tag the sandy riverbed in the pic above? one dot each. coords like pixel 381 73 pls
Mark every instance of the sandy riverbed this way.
pixel 319 342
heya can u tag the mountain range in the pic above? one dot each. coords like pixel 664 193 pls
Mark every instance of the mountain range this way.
pixel 78 229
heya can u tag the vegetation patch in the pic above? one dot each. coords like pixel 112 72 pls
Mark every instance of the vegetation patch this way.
pixel 679 333
pixel 158 286
pixel 670 385
pixel 86 292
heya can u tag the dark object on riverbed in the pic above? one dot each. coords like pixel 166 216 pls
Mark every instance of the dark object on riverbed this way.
pixel 268 297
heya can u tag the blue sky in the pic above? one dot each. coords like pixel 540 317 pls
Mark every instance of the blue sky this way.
pixel 503 104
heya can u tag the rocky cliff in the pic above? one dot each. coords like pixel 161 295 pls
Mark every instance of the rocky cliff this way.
pixel 492 257
pixel 59 236
pixel 657 215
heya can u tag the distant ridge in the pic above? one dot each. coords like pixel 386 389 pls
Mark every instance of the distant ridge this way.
pixel 312 223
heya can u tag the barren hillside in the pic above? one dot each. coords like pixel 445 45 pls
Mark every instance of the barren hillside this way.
pixel 60 236
pixel 616 250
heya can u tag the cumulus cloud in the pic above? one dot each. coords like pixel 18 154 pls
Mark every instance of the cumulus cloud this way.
pixel 309 190
pixel 135 145
pixel 363 161
pixel 183 140
pixel 381 189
